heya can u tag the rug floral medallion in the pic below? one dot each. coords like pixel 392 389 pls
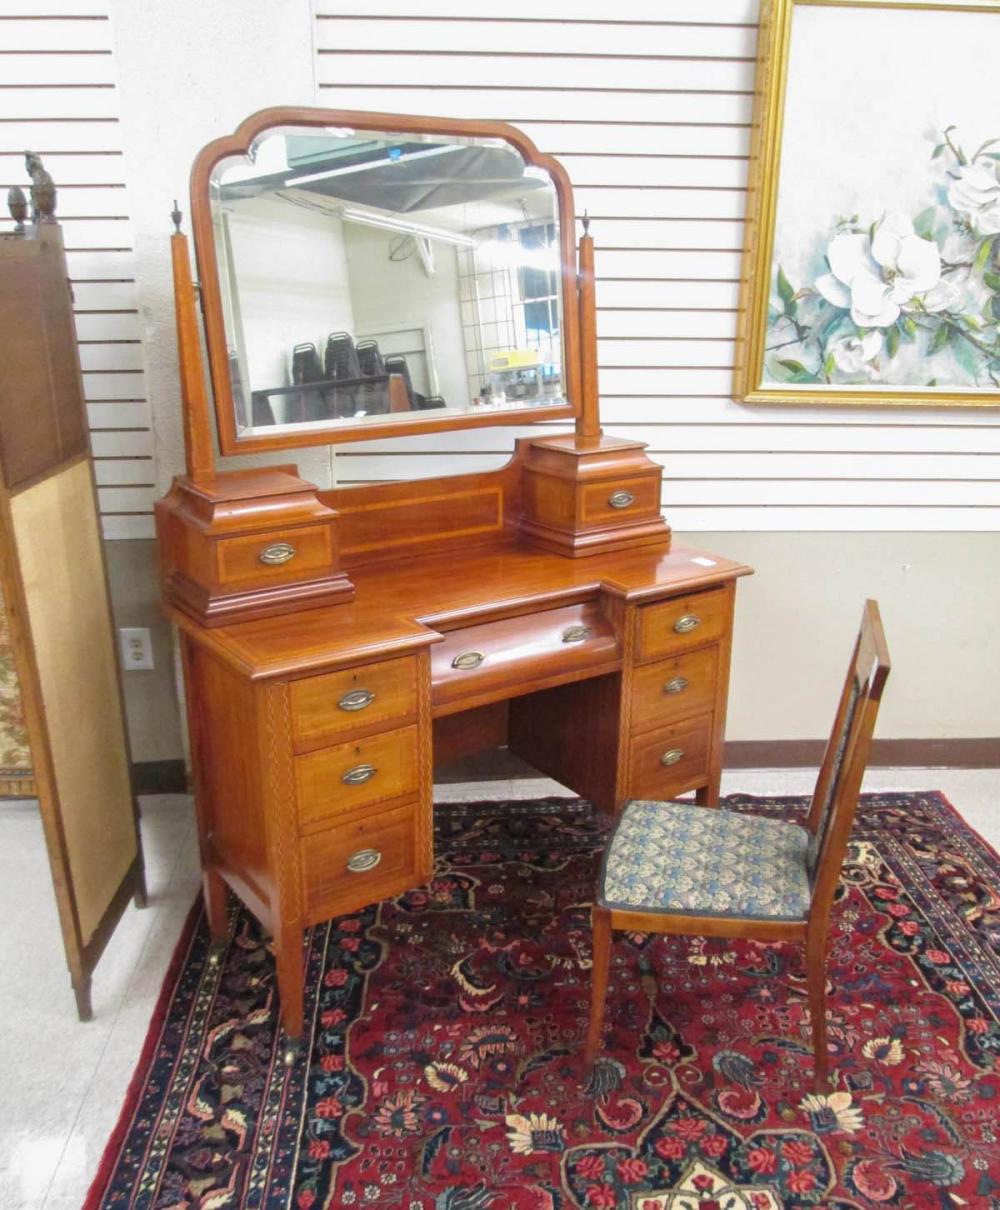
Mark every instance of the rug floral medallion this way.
pixel 445 1031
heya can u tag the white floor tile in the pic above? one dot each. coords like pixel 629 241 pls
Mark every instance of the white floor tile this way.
pixel 64 1083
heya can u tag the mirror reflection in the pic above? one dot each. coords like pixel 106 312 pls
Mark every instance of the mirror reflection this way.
pixel 367 276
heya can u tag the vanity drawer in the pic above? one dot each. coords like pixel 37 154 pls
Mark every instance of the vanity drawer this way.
pixel 674 689
pixel 275 557
pixel 499 659
pixel 670 760
pixel 357 774
pixel 366 858
pixel 621 500
pixel 351 698
pixel 670 627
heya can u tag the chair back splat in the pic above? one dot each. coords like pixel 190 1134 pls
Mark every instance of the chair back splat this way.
pixel 692 871
pixel 835 800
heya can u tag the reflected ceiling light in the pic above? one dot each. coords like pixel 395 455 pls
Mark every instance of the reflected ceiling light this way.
pixel 392 156
pixel 388 223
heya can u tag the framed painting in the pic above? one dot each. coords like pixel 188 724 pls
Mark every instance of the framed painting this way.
pixel 871 267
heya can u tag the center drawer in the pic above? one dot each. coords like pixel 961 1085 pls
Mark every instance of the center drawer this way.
pixel 513 656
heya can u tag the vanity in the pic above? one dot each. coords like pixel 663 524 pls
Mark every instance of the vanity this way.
pixel 367 275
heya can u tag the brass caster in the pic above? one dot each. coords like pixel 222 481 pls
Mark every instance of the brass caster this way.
pixel 291 1052
pixel 215 953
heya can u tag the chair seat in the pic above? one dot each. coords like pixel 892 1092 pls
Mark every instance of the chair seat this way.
pixel 680 859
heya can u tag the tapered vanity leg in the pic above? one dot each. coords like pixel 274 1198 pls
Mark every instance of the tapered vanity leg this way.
pixel 708 796
pixel 213 890
pixel 291 979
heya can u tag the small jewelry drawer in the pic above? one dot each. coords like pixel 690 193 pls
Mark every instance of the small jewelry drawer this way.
pixel 357 774
pixel 352 698
pixel 674 689
pixel 670 627
pixel 620 501
pixel 670 760
pixel 501 658
pixel 366 858
pixel 278 557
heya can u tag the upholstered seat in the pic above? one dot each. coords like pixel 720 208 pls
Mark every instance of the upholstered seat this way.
pixel 680 858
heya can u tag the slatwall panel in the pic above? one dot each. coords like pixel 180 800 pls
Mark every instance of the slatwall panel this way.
pixel 648 104
pixel 58 98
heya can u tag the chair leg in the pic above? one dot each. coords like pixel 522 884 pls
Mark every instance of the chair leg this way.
pixel 816 980
pixel 601 917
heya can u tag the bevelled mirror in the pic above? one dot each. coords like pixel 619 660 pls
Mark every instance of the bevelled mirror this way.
pixel 367 275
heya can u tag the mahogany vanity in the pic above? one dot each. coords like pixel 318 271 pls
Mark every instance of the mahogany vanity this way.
pixel 338 643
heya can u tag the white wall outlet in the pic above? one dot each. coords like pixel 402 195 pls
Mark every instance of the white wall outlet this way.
pixel 137 648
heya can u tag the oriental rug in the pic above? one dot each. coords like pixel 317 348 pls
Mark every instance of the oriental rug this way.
pixel 445 1030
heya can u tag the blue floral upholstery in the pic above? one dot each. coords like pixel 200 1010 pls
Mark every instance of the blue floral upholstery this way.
pixel 689 860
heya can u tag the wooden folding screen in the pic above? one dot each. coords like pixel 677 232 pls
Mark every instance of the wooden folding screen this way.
pixel 55 587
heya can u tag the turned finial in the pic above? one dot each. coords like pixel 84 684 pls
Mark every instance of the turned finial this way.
pixel 586 223
pixel 43 190
pixel 176 216
pixel 17 204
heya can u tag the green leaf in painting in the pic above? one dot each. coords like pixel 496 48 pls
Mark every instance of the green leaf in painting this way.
pixel 909 326
pixel 829 365
pixel 937 151
pixel 923 224
pixel 939 340
pixel 994 305
pixel 992 280
pixel 795 367
pixel 983 254
pixel 786 291
pixel 892 341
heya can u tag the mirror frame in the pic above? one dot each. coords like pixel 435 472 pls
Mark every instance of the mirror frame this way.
pixel 206 256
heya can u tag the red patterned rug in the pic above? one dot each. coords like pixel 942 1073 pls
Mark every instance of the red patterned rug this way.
pixel 445 1029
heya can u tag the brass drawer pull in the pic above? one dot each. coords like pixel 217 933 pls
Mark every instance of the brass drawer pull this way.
pixel 576 634
pixel 357 699
pixel 467 660
pixel 686 623
pixel 277 553
pixel 621 499
pixel 671 756
pixel 677 685
pixel 363 859
pixel 358 775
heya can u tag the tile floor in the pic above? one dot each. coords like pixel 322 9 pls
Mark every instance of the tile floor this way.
pixel 63 1083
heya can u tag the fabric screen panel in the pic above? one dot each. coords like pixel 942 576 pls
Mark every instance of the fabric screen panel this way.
pixel 57 544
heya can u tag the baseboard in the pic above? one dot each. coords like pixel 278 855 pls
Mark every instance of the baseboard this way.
pixel 885 754
pixel 159 777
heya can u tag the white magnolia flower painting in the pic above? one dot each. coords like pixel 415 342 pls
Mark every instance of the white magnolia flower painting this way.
pixel 885 256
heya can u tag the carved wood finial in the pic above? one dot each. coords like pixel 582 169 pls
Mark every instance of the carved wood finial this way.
pixel 586 223
pixel 43 189
pixel 17 204
pixel 176 216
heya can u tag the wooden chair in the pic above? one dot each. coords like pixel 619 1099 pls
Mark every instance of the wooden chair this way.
pixel 684 869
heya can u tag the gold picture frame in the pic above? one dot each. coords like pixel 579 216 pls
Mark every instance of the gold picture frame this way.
pixel 896 301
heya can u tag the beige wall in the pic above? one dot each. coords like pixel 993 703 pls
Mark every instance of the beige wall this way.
pixel 150 697
pixel 797 616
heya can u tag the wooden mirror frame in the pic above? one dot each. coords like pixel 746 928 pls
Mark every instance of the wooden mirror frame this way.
pixel 239 143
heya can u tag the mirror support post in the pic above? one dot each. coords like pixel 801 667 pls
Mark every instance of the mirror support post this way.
pixel 588 424
pixel 197 422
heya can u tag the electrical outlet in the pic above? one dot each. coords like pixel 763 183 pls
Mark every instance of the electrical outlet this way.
pixel 137 648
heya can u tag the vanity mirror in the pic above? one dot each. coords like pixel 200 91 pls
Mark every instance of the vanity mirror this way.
pixel 382 275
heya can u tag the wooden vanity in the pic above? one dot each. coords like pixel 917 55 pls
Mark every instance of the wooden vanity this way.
pixel 338 643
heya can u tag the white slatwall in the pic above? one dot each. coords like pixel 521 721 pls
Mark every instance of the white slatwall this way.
pixel 58 98
pixel 648 103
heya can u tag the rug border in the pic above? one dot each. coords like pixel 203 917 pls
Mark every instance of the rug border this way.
pixel 133 1095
